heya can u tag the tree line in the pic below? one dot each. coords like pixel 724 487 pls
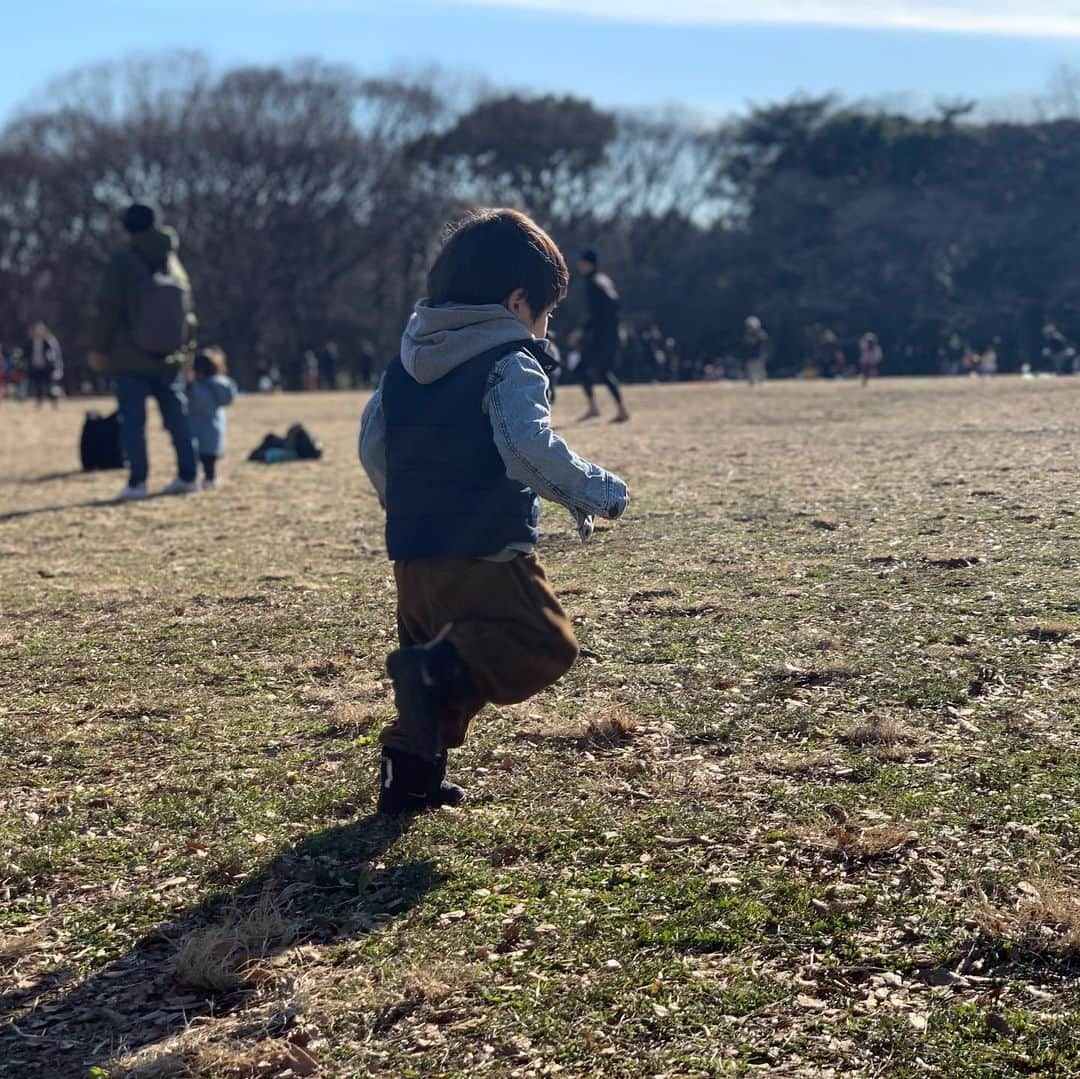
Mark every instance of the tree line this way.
pixel 308 198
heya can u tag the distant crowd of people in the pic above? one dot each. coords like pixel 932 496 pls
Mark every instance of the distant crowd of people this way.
pixel 648 355
pixel 321 368
pixel 33 371
pixel 960 357
pixel 604 345
pixel 590 355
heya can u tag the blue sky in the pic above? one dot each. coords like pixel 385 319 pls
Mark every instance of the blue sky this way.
pixel 634 52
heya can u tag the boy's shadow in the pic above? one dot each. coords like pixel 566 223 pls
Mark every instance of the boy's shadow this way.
pixel 328 886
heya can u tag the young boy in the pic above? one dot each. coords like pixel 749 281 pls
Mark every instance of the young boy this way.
pixel 457 442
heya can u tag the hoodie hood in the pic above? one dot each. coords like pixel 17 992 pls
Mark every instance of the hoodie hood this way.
pixel 155 245
pixel 439 339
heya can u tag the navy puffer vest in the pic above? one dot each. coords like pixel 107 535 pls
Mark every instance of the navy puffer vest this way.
pixel 447 492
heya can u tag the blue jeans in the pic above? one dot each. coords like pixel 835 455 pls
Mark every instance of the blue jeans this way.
pixel 131 394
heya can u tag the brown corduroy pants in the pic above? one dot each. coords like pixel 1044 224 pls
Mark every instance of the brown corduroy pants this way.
pixel 504 620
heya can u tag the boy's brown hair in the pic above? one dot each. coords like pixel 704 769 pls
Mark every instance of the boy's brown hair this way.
pixel 490 253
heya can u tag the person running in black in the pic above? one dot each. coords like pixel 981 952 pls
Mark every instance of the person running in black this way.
pixel 600 343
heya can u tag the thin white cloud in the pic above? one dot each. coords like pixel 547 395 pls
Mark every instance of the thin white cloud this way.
pixel 1034 18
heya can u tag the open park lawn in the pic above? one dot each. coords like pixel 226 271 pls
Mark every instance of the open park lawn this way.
pixel 809 804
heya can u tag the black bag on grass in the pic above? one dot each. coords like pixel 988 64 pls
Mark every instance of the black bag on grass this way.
pixel 307 448
pixel 272 448
pixel 297 445
pixel 99 445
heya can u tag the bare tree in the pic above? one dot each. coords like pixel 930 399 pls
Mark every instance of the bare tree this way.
pixel 283 183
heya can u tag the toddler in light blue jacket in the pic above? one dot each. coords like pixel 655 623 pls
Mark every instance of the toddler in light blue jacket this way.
pixel 210 392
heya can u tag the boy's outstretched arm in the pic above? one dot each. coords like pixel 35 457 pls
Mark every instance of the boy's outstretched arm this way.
pixel 373 444
pixel 517 405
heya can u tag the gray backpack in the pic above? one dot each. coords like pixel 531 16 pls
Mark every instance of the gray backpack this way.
pixel 160 305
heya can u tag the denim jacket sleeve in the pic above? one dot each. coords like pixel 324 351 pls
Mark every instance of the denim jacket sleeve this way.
pixel 373 444
pixel 517 406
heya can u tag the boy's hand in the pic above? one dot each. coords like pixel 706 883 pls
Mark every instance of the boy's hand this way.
pixel 586 525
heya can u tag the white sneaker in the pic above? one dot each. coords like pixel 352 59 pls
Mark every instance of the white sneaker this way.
pixel 133 494
pixel 209 485
pixel 177 486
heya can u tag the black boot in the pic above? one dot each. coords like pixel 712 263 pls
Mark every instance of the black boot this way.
pixel 410 784
pixel 449 794
pixel 425 677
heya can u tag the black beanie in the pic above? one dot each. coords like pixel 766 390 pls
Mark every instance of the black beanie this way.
pixel 138 218
pixel 589 255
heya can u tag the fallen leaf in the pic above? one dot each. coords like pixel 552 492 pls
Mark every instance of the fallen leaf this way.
pixel 301 1061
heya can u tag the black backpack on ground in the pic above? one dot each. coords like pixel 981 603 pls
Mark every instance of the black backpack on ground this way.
pixel 99 445
pixel 297 445
pixel 306 447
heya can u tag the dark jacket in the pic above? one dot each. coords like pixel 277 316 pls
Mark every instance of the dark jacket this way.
pixel 447 491
pixel 52 358
pixel 440 339
pixel 112 325
pixel 603 300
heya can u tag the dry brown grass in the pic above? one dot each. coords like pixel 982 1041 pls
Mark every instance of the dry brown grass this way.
pixel 202 681
pixel 608 730
pixel 406 988
pixel 227 956
pixel 672 609
pixel 1044 919
pixel 19 944
pixel 269 1036
pixel 878 731
pixel 199 1058
pixel 804 765
pixel 852 842
pixel 891 754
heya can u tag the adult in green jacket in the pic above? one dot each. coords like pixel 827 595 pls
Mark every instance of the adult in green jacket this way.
pixel 137 373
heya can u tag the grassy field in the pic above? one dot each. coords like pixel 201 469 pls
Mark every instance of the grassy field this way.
pixel 809 805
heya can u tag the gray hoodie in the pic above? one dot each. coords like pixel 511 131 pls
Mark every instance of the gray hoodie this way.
pixel 437 340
